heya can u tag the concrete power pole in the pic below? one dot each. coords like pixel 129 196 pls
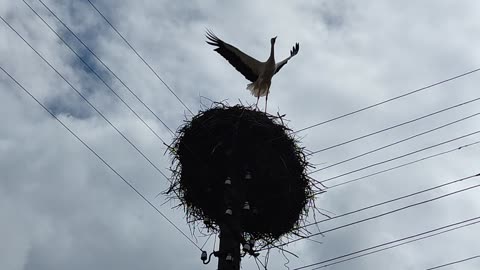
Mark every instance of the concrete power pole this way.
pixel 230 228
pixel 229 250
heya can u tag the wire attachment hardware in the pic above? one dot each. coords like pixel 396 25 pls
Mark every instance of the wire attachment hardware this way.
pixel 246 206
pixel 204 256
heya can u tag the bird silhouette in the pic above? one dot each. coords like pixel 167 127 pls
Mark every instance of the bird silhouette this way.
pixel 258 73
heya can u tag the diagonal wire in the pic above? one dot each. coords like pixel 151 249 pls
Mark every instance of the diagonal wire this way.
pixel 98 59
pixel 388 100
pixel 99 157
pixel 455 262
pixel 399 141
pixel 394 126
pixel 256 262
pixel 139 56
pixel 206 241
pixel 263 265
pixel 446 228
pixel 393 211
pixel 86 100
pixel 385 213
pixel 400 244
pixel 96 74
pixel 398 157
pixel 402 165
pixel 391 200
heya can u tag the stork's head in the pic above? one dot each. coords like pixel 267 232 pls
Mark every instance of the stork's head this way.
pixel 272 41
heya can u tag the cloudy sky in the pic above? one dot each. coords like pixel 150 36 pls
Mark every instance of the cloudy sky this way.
pixel 62 208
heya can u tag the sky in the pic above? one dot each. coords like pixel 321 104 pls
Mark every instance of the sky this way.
pixel 61 207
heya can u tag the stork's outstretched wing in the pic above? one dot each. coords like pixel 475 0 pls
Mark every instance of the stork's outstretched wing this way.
pixel 245 64
pixel 293 52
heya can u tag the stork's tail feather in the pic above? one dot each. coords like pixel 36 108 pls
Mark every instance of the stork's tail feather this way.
pixel 256 89
pixel 251 87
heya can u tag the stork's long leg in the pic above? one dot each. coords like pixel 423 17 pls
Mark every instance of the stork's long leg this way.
pixel 266 100
pixel 256 104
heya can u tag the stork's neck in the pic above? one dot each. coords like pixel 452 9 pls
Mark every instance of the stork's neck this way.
pixel 272 52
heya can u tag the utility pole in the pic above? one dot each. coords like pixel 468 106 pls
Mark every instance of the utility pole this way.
pixel 229 250
pixel 230 228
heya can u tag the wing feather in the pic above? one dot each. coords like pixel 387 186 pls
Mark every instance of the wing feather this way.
pixel 245 64
pixel 293 52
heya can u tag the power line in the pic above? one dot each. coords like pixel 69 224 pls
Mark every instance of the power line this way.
pixel 398 157
pixel 394 126
pixel 402 165
pixel 256 262
pixel 392 200
pixel 206 241
pixel 388 100
pixel 106 67
pixel 415 237
pixel 397 210
pixel 96 57
pixel 86 100
pixel 455 262
pixel 385 213
pixel 99 157
pixel 399 141
pixel 96 74
pixel 139 56
pixel 400 244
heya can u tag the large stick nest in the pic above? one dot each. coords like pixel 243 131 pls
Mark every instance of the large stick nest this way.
pixel 233 142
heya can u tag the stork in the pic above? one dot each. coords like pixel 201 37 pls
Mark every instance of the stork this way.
pixel 259 73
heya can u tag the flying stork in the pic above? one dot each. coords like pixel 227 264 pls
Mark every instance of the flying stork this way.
pixel 259 73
